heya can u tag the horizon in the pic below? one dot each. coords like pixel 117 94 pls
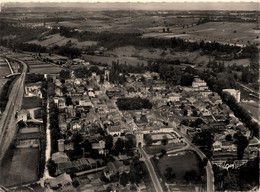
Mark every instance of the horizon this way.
pixel 145 6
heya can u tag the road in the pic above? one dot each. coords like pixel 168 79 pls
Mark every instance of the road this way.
pixel 8 121
pixel 46 174
pixel 209 170
pixel 156 182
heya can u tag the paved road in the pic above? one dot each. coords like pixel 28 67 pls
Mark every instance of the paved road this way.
pixel 150 167
pixel 8 121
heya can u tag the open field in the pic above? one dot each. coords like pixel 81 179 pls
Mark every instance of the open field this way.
pixel 192 57
pixel 222 32
pixel 31 102
pixel 4 69
pixel 109 60
pixel 23 166
pixel 42 67
pixel 56 39
pixel 252 108
pixel 180 163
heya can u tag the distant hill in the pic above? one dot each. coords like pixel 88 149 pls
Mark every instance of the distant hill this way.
pixel 243 6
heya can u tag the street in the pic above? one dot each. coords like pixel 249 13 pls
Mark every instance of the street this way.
pixel 150 167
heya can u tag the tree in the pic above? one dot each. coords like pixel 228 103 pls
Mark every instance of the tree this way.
pixel 68 101
pixel 124 179
pixel 231 181
pixel 119 145
pixel 169 174
pixel 242 143
pixel 109 142
pixel 148 139
pixel 204 138
pixel 165 140
pixel 228 137
pixel 87 145
pixel 21 124
pixel 199 121
pixel 64 74
pixel 190 175
pixel 51 165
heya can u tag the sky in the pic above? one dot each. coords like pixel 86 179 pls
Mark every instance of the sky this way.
pixel 250 5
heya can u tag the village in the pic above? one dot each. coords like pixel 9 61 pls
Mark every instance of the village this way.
pixel 101 129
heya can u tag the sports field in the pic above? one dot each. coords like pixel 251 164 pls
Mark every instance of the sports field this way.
pixel 23 166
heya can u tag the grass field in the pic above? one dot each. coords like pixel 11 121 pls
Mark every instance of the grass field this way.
pixel 23 167
pixel 56 39
pixel 252 108
pixel 223 32
pixel 109 60
pixel 157 149
pixel 4 69
pixel 31 102
pixel 42 67
pixel 180 163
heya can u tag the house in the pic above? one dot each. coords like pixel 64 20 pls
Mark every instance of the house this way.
pixel 217 146
pixel 33 90
pixel 115 167
pixel 60 157
pixel 58 92
pixel 114 130
pixel 22 115
pixel 174 97
pixel 197 82
pixel 61 181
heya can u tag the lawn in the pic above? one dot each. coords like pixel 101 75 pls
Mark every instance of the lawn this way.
pixel 23 167
pixel 180 163
pixel 31 102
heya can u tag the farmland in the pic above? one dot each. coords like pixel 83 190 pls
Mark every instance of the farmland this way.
pixel 222 32
pixel 42 67
pixel 4 69
pixel 109 60
pixel 56 39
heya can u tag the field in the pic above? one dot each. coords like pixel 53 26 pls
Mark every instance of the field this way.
pixel 252 108
pixel 4 69
pixel 31 102
pixel 109 60
pixel 223 32
pixel 23 166
pixel 180 163
pixel 192 57
pixel 42 67
pixel 56 39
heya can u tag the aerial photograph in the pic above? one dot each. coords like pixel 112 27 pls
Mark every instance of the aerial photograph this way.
pixel 129 96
